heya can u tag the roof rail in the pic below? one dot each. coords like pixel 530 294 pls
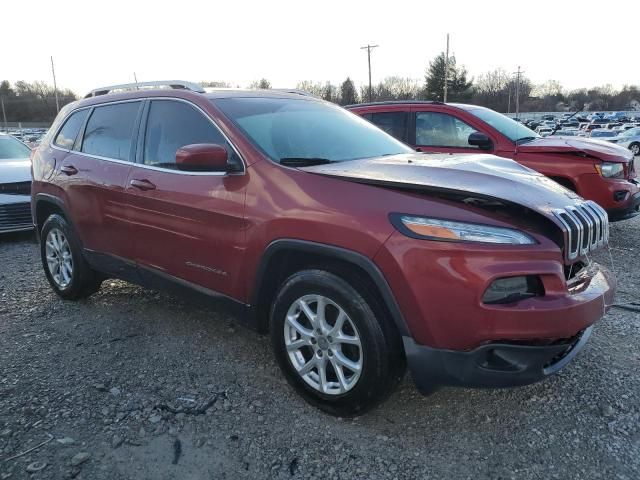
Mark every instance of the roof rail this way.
pixel 175 84
pixel 294 91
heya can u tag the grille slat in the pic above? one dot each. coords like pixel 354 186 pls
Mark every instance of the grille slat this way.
pixel 585 227
pixel 15 216
pixel 16 188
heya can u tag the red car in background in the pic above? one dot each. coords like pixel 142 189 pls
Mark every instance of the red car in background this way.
pixel 596 170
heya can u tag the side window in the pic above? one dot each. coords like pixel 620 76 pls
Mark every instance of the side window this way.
pixel 172 125
pixel 68 133
pixel 442 130
pixel 394 123
pixel 109 131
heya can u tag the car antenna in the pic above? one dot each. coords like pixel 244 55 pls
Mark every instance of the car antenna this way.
pixel 556 128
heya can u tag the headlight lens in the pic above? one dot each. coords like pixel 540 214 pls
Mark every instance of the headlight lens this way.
pixel 437 229
pixel 610 170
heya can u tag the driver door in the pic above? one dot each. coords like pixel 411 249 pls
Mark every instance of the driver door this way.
pixel 442 132
pixel 186 225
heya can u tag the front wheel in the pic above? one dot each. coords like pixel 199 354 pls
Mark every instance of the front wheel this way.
pixel 336 348
pixel 635 148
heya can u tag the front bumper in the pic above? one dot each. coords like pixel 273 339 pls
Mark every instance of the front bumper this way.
pixel 493 365
pixel 630 210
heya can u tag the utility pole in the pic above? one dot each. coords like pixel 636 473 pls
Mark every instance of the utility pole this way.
pixel 369 47
pixel 55 86
pixel 136 80
pixel 446 71
pixel 518 73
pixel 4 114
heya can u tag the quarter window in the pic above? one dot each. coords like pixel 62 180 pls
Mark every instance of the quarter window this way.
pixel 172 125
pixel 109 131
pixel 394 123
pixel 67 135
pixel 442 130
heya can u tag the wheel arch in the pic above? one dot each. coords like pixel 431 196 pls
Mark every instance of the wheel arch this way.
pixel 45 205
pixel 284 257
pixel 565 182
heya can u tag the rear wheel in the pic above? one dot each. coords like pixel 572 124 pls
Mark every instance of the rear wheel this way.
pixel 66 269
pixel 337 349
pixel 635 148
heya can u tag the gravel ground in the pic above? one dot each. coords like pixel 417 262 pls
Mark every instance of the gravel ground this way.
pixel 135 384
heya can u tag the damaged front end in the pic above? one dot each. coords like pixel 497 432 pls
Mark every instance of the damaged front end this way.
pixel 498 185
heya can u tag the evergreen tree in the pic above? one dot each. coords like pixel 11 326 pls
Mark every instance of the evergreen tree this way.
pixel 348 94
pixel 459 89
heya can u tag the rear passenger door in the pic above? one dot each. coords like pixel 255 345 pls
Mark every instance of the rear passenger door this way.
pixel 185 224
pixel 94 173
pixel 395 123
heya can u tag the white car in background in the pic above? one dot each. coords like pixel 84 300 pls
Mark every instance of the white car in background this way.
pixel 629 139
pixel 15 185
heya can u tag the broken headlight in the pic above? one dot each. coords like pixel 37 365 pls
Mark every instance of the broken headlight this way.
pixel 448 230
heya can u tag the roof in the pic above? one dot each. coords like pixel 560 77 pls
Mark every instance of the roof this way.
pixel 394 102
pixel 249 93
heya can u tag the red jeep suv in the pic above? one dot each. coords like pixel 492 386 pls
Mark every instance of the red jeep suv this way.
pixel 356 253
pixel 597 170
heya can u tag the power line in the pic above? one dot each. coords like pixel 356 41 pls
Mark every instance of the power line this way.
pixel 369 47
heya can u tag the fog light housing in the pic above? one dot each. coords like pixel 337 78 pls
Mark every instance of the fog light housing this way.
pixel 513 289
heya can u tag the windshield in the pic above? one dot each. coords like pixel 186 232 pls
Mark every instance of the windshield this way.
pixel 514 131
pixel 632 132
pixel 292 129
pixel 603 133
pixel 10 148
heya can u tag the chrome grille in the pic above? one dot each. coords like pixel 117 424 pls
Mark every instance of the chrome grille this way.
pixel 15 216
pixel 585 227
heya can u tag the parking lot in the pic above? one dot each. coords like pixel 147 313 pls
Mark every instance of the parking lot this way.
pixel 136 384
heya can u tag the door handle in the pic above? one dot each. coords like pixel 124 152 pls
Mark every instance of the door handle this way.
pixel 69 170
pixel 142 184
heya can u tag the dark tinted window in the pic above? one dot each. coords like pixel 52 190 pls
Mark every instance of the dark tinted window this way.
pixel 394 123
pixel 67 135
pixel 442 130
pixel 172 125
pixel 109 132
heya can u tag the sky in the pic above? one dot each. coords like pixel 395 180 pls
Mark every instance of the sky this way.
pixel 102 43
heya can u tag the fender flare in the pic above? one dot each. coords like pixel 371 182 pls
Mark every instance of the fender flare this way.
pixel 339 253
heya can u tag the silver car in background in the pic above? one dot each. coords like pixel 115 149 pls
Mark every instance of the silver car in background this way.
pixel 15 185
pixel 629 139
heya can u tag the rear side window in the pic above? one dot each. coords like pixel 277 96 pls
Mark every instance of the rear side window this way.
pixel 172 125
pixel 68 133
pixel 394 123
pixel 109 131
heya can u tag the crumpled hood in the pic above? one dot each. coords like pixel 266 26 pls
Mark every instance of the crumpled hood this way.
pixel 601 149
pixel 15 170
pixel 482 175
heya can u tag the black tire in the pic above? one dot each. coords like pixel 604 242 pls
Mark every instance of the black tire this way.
pixel 383 361
pixel 84 281
pixel 637 147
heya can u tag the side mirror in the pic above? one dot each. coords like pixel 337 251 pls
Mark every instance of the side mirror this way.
pixel 480 140
pixel 202 157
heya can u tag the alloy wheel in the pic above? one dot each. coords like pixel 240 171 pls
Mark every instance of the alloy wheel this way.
pixel 59 258
pixel 323 344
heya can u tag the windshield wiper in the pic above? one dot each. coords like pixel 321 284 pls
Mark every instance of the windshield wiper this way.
pixel 303 161
pixel 524 140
